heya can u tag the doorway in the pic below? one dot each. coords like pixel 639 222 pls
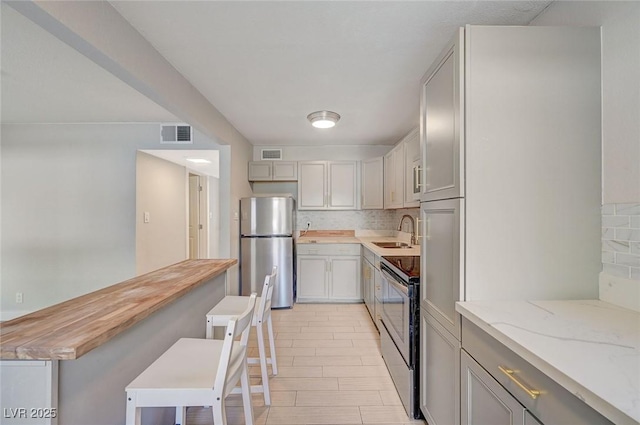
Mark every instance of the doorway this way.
pixel 198 217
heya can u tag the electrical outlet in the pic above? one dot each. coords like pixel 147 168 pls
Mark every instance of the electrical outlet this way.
pixel 18 297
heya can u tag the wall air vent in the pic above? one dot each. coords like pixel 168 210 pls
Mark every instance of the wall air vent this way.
pixel 176 134
pixel 271 154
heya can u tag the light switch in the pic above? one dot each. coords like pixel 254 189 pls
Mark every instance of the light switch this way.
pixel 146 216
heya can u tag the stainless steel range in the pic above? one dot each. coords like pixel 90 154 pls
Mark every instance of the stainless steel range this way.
pixel 399 333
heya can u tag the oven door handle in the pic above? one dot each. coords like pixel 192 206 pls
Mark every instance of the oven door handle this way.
pixel 395 284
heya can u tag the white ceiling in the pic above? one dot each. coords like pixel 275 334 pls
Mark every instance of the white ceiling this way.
pixel 46 81
pixel 265 65
pixel 180 157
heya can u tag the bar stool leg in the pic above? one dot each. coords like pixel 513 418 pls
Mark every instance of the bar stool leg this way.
pixel 219 413
pixel 263 365
pixel 272 346
pixel 181 415
pixel 246 396
pixel 134 413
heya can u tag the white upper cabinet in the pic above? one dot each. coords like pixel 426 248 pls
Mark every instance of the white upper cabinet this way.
pixel 412 167
pixel 441 125
pixel 273 171
pixel 373 184
pixel 328 185
pixel 343 187
pixel 394 178
pixel 312 185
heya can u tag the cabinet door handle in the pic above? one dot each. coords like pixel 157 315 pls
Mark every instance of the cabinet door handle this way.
pixel 416 172
pixel 510 374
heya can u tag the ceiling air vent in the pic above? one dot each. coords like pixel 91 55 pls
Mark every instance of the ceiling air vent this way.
pixel 271 154
pixel 176 133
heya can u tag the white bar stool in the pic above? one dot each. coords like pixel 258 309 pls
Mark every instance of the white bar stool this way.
pixel 197 372
pixel 229 306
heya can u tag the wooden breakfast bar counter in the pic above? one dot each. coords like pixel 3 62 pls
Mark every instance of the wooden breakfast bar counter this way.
pixel 104 339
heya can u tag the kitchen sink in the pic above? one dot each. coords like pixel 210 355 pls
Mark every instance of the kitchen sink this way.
pixel 392 244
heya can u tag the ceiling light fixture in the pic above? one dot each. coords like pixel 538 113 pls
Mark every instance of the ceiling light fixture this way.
pixel 323 119
pixel 199 160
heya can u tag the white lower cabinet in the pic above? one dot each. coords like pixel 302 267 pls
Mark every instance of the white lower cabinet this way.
pixel 439 373
pixel 329 272
pixel 530 420
pixel 312 278
pixel 371 284
pixel 368 286
pixel 484 400
pixel 498 387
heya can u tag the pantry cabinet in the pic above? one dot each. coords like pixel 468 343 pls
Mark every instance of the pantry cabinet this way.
pixel 273 171
pixel 442 125
pixel 510 136
pixel 328 185
pixel 329 273
pixel 439 373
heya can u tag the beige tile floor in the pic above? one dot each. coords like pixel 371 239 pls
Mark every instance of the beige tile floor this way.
pixel 330 371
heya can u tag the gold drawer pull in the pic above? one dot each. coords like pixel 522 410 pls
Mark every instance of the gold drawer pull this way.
pixel 510 374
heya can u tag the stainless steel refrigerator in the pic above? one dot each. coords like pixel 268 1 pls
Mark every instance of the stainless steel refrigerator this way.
pixel 266 239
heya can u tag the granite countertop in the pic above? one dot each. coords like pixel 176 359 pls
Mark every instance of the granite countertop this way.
pixel 70 329
pixel 590 347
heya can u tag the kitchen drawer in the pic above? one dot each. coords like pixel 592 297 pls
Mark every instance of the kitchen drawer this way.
pixel 332 249
pixel 555 405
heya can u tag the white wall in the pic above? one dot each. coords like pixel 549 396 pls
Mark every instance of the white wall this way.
pixel 161 191
pixel 620 22
pixel 325 153
pixel 69 208
pixel 240 188
pixel 620 28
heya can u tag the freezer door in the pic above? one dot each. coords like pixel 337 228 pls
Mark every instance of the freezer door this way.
pixel 257 257
pixel 266 216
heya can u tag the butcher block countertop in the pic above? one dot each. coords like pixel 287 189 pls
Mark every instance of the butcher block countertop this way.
pixel 348 236
pixel 71 329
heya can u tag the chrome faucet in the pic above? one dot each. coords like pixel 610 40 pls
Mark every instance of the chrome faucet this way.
pixel 413 228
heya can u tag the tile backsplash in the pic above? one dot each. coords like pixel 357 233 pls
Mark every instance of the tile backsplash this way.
pixel 356 220
pixel 621 240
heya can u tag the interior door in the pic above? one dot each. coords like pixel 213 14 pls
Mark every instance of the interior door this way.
pixel 194 216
